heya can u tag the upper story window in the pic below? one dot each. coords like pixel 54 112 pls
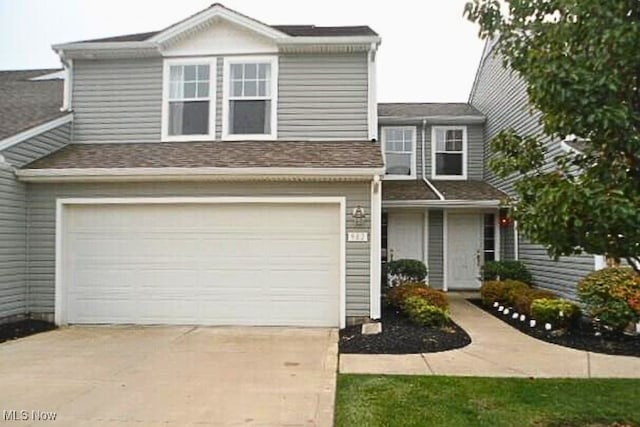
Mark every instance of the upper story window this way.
pixel 399 147
pixel 189 100
pixel 250 103
pixel 449 146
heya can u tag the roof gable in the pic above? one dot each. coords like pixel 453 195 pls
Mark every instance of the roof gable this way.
pixel 203 19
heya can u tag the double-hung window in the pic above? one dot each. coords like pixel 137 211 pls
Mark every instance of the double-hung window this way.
pixel 449 152
pixel 189 100
pixel 250 98
pixel 399 144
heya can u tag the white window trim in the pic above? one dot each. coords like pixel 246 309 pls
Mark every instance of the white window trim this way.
pixel 212 98
pixel 414 130
pixel 434 175
pixel 226 73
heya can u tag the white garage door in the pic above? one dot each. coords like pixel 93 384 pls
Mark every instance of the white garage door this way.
pixel 208 264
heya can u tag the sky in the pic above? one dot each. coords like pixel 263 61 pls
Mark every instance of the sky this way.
pixel 429 51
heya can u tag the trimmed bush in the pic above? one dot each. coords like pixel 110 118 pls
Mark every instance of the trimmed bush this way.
pixel 398 295
pixel 507 270
pixel 422 312
pixel 502 291
pixel 491 291
pixel 612 295
pixel 559 312
pixel 522 300
pixel 406 271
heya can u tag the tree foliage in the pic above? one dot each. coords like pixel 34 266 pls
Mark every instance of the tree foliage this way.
pixel 580 60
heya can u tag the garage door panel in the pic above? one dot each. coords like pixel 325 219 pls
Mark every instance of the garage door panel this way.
pixel 247 264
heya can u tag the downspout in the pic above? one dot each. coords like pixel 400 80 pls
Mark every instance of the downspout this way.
pixel 424 168
pixel 516 241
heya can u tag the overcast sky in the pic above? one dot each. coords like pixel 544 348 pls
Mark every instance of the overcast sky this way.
pixel 429 51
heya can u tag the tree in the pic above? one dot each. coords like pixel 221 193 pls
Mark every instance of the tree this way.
pixel 581 62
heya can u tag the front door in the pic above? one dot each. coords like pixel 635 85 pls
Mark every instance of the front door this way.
pixel 464 238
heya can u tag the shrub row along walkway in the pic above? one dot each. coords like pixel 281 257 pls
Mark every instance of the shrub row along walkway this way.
pixel 496 350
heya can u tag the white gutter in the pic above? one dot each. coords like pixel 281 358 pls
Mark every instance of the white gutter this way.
pixel 442 203
pixel 434 119
pixel 34 131
pixel 121 174
pixel 352 40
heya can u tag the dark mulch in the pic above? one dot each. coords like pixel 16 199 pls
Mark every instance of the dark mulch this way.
pixel 401 336
pixel 582 336
pixel 23 328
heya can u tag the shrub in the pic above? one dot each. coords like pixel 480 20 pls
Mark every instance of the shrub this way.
pixel 422 312
pixel 558 312
pixel 398 295
pixel 507 270
pixel 612 295
pixel 491 291
pixel 503 291
pixel 406 271
pixel 522 300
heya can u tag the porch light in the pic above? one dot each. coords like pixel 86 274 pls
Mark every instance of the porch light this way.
pixel 358 215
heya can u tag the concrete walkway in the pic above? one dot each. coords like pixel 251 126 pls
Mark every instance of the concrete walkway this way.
pixel 497 350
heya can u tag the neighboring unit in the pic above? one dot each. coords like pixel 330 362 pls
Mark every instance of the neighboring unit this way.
pixel 502 96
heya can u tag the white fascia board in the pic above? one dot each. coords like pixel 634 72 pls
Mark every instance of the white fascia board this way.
pixel 42 175
pixel 442 203
pixel 331 40
pixel 222 12
pixel 444 120
pixel 34 131
pixel 56 75
pixel 98 46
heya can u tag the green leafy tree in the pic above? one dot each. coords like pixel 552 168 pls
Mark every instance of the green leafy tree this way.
pixel 580 60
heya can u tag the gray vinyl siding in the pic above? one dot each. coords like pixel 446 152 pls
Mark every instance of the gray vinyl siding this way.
pixel 117 100
pixel 320 96
pixel 13 249
pixel 41 220
pixel 475 154
pixel 38 146
pixel 323 96
pixel 501 95
pixel 436 248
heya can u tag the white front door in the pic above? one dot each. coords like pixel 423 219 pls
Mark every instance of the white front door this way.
pixel 404 235
pixel 464 240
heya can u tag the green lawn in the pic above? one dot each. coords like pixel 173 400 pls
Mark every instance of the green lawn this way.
pixel 373 400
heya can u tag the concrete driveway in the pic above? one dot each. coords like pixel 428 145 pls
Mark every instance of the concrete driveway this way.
pixel 172 376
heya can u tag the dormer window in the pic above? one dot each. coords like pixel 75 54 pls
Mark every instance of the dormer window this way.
pixel 449 149
pixel 189 100
pixel 399 147
pixel 250 103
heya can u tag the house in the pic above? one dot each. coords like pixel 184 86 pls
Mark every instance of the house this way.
pixel 226 171
pixel 501 95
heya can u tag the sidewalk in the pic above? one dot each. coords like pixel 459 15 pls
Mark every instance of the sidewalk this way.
pixel 496 350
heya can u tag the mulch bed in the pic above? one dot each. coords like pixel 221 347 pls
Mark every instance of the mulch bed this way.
pixel 400 336
pixel 581 336
pixel 23 328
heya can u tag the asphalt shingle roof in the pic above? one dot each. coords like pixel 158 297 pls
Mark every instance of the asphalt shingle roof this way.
pixel 468 190
pixel 27 103
pixel 292 30
pixel 232 154
pixel 451 190
pixel 407 190
pixel 426 109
